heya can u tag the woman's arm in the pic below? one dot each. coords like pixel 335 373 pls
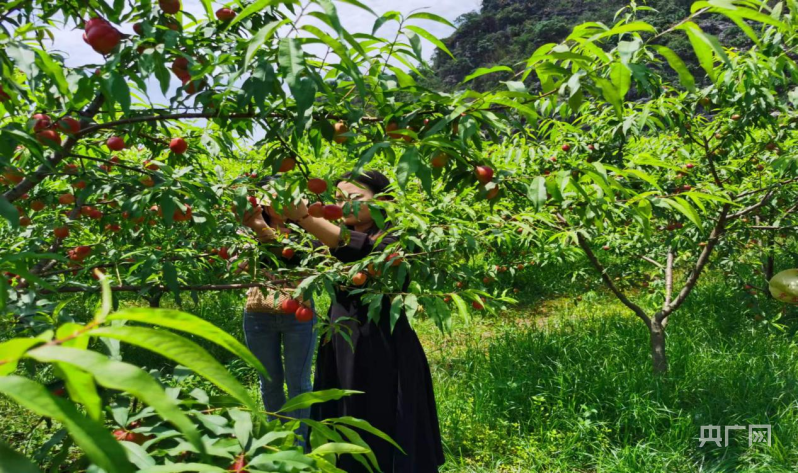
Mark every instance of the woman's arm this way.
pixel 359 246
pixel 329 234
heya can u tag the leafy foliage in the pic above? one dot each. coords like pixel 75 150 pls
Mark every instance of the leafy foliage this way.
pixel 506 33
pixel 590 155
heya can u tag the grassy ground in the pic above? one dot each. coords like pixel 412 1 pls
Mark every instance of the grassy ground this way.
pixel 559 386
pixel 562 383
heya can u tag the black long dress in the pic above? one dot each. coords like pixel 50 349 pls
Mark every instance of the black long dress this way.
pixel 392 371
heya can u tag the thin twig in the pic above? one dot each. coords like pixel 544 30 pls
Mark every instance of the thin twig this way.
pixel 668 279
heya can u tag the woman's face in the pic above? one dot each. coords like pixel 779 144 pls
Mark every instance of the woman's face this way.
pixel 354 192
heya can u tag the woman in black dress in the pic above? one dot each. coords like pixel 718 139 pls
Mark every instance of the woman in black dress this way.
pixel 389 367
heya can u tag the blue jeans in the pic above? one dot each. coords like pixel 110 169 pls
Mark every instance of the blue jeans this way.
pixel 265 335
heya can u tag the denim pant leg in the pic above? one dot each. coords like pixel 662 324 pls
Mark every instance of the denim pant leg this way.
pixel 263 334
pixel 300 344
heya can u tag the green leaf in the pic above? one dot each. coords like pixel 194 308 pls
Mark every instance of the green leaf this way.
pixel 137 455
pixel 14 349
pixel 704 46
pixel 405 79
pixel 483 71
pixel 431 38
pixel 163 76
pixel 634 26
pixel 9 212
pixel 356 439
pixel 331 14
pixel 610 94
pixel 242 426
pixel 79 384
pixel 684 207
pixel 15 462
pixel 170 274
pixel 252 8
pixel 184 352
pixel 285 461
pixel 359 5
pixel 263 35
pixel 396 310
pixel 339 448
pixel 337 47
pixel 194 325
pixel 120 91
pixel 54 70
pixel 208 8
pixel 520 107
pixel 431 17
pixel 375 308
pixel 364 425
pixel 308 399
pixel 407 166
pixel 91 436
pixel 536 192
pixel 367 155
pixel 291 59
pixel 621 77
pixel 386 17
pixel 411 305
pixel 736 10
pixel 322 430
pixel 515 86
pixel 184 467
pixel 678 65
pixel 123 377
pixel 462 309
pixel 107 301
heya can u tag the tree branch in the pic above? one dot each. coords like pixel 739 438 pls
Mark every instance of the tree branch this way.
pixel 701 263
pixel 753 207
pixel 42 171
pixel 199 288
pixel 111 163
pixel 654 262
pixel 608 280
pixel 195 115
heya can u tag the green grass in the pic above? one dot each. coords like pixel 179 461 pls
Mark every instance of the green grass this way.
pixel 563 384
pixel 578 395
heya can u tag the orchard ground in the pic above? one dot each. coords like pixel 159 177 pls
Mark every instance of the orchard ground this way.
pixel 559 383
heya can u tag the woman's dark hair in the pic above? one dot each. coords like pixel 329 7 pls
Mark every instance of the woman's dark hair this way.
pixel 374 181
pixel 267 180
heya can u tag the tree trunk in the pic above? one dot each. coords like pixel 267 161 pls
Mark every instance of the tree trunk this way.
pixel 155 300
pixel 658 357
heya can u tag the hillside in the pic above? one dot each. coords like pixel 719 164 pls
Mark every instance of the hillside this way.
pixel 506 32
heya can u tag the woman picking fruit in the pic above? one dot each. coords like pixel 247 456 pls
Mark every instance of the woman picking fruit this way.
pixel 389 367
pixel 288 327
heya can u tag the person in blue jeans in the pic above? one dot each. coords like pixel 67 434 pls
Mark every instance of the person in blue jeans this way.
pixel 269 334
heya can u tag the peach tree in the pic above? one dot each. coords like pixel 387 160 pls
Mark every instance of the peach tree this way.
pixel 648 179
pixel 102 184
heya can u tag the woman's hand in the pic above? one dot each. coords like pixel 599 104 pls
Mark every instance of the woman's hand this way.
pixel 296 212
pixel 254 220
